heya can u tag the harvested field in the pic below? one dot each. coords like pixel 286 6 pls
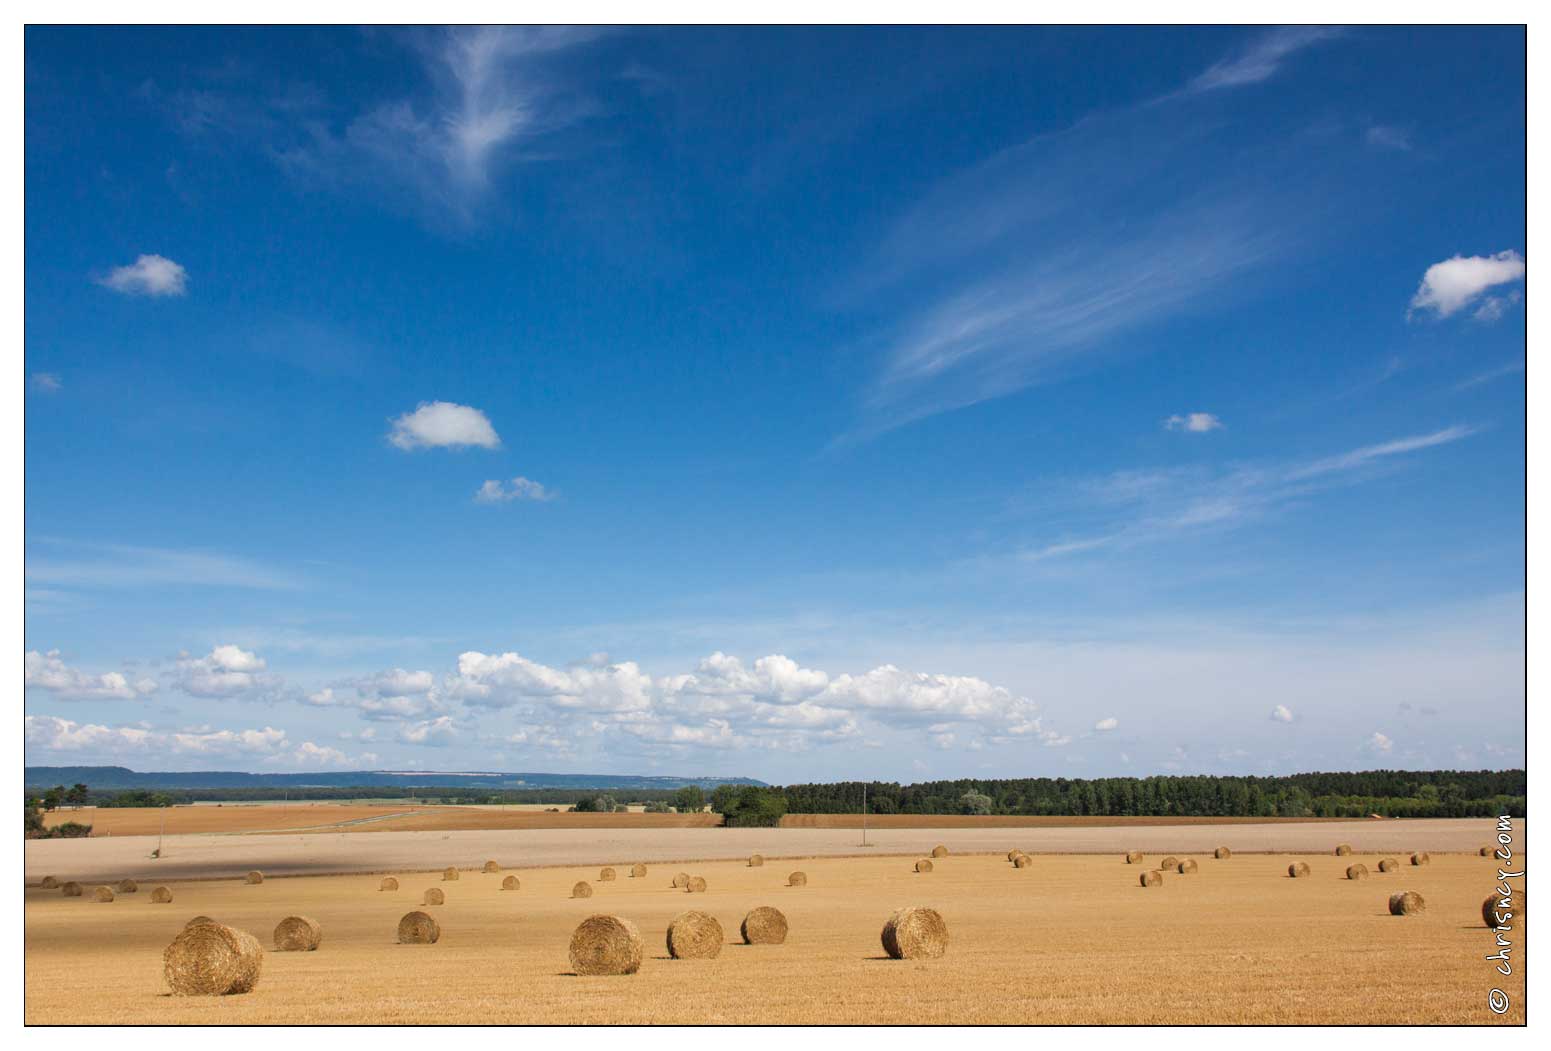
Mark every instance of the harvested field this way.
pixel 1320 949
pixel 208 856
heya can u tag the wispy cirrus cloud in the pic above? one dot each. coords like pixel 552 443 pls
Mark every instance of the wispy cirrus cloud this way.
pixel 1261 59
pixel 93 565
pixel 1077 240
pixel 492 92
pixel 1127 508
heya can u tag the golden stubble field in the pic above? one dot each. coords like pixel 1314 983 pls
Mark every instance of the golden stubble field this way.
pixel 1071 939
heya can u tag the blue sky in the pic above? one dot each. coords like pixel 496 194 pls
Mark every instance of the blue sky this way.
pixel 796 404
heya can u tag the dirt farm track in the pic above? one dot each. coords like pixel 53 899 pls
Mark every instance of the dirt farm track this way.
pixel 1071 938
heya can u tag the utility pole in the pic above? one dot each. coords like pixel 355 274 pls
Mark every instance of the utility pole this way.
pixel 864 813
pixel 161 832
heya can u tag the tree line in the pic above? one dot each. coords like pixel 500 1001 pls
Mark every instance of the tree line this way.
pixel 1388 793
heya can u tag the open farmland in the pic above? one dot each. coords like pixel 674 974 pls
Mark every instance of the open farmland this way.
pixel 1069 939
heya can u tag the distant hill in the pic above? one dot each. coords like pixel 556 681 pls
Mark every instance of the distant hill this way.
pixel 119 777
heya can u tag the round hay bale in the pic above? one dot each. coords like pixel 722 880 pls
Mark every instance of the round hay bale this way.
pixel 1022 861
pixel 449 873
pixel 923 865
pixel 637 870
pixel 1298 869
pixel 763 926
pixel 915 933
pixel 297 934
pixel 1406 903
pixel 606 874
pixel 797 879
pixel 1358 871
pixel 1013 853
pixel 1486 852
pixel 48 883
pixel 583 889
pixel 127 886
pixel 1222 853
pixel 681 881
pixel 491 866
pixel 606 945
pixel 696 885
pixel 694 935
pixel 1168 863
pixel 1388 865
pixel 756 860
pixel 161 896
pixel 197 921
pixel 388 883
pixel 70 889
pixel 1133 857
pixel 434 896
pixel 1421 858
pixel 1494 913
pixel 511 883
pixel 212 959
pixel 419 928
pixel 102 894
pixel 1187 866
pixel 1343 850
pixel 939 851
pixel 255 876
pixel 1152 879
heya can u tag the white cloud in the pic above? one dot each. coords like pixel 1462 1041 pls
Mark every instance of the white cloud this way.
pixel 198 745
pixel 725 703
pixel 129 565
pixel 436 733
pixel 1106 725
pixel 443 424
pixel 1388 138
pixel 1450 286
pixel 1380 744
pixel 1194 422
pixel 46 382
pixel 1282 714
pixel 1262 58
pixel 226 671
pixel 493 93
pixel 1368 453
pixel 48 671
pixel 150 275
pixel 494 492
pixel 1492 308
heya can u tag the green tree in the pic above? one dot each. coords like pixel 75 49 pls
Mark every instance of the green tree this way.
pixel 77 795
pixel 724 799
pixel 689 800
pixel 52 798
pixel 975 803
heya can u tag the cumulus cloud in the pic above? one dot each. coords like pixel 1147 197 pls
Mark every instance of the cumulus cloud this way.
pixel 48 671
pixel 1193 422
pixel 443 424
pixel 436 732
pixel 724 702
pixel 1282 714
pixel 1454 284
pixel 395 695
pixel 1106 725
pixel 1379 744
pixel 49 733
pixel 225 672
pixel 149 275
pixel 519 488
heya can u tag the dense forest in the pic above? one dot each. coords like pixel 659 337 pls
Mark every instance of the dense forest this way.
pixel 1389 793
